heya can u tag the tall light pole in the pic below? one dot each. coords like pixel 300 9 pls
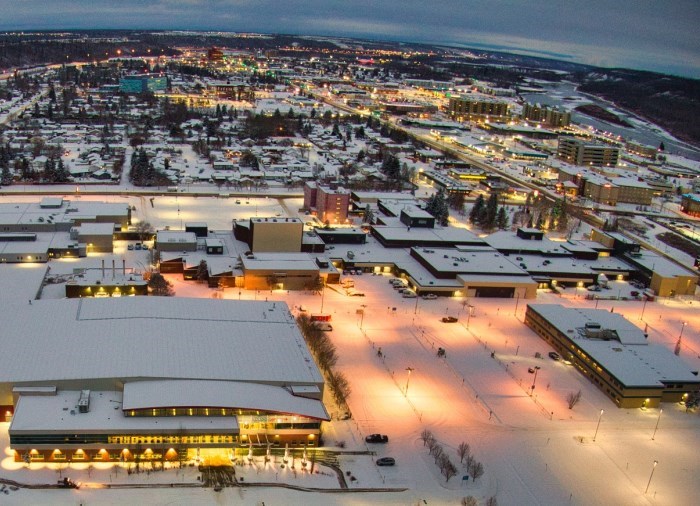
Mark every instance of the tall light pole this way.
pixel 598 426
pixel 651 476
pixel 657 424
pixel 323 292
pixel 677 351
pixel 408 378
pixel 644 306
pixel 532 389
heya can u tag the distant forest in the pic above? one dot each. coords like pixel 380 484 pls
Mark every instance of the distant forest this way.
pixel 673 103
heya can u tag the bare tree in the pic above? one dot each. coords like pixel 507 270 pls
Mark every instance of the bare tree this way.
pixel 573 398
pixel 425 435
pixel 491 501
pixel 144 230
pixel 447 468
pixel 436 452
pixel 477 470
pixel 470 500
pixel 431 443
pixel 463 451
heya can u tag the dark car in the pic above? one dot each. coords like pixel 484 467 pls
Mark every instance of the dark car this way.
pixel 449 319
pixel 634 293
pixel 386 461
pixel 554 355
pixel 377 438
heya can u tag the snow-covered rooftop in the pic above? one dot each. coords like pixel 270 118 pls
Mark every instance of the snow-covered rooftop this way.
pixel 154 337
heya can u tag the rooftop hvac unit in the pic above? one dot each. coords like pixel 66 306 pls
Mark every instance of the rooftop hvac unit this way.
pixel 84 401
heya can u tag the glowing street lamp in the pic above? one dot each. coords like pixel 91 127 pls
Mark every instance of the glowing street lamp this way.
pixel 598 426
pixel 408 378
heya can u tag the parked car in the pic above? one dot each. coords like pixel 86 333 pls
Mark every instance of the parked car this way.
pixel 554 355
pixel 634 293
pixel 429 296
pixel 386 461
pixel 130 247
pixel 449 319
pixel 377 438
pixel 408 294
pixel 138 246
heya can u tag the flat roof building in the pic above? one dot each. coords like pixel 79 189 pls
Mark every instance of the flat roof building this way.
pixel 580 152
pixel 162 374
pixel 613 354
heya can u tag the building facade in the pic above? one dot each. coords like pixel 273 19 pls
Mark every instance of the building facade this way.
pixel 580 152
pixel 468 109
pixel 543 115
pixel 614 355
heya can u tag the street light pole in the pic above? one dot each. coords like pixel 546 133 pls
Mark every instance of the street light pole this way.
pixel 644 306
pixel 532 389
pixel 657 424
pixel 323 293
pixel 598 426
pixel 415 310
pixel 651 476
pixel 408 378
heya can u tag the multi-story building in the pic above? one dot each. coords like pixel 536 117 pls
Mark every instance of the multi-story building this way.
pixel 466 108
pixel 143 83
pixel 608 190
pixel 331 205
pixel 548 116
pixel 614 355
pixel 580 152
pixel 690 204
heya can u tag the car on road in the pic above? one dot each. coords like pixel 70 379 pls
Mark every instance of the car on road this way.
pixel 377 438
pixel 449 319
pixel 554 355
pixel 386 461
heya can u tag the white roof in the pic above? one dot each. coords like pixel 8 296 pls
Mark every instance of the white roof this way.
pixel 219 394
pixel 48 414
pixel 154 337
pixel 631 359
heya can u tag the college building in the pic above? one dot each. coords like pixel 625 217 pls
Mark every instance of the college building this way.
pixel 614 354
pixel 155 378
pixel 580 152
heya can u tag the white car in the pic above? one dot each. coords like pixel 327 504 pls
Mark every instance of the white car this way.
pixel 429 296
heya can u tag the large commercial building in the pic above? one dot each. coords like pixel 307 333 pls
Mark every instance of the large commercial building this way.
pixel 155 378
pixel 580 152
pixel 143 83
pixel 613 354
pixel 690 204
pixel 543 115
pixel 468 109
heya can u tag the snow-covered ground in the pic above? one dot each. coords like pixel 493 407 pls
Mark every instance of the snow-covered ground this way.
pixel 534 449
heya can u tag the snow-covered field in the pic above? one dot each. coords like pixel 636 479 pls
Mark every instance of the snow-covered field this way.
pixel 535 450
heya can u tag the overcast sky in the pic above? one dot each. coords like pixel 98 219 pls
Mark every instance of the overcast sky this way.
pixel 643 34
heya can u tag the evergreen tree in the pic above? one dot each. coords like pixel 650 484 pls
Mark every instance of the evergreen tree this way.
pixel 5 175
pixel 160 286
pixel 476 209
pixel 502 218
pixel 491 212
pixel 61 174
pixel 437 206
pixel 202 271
